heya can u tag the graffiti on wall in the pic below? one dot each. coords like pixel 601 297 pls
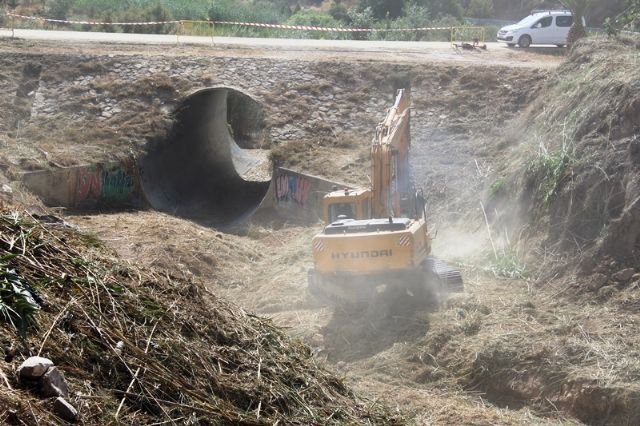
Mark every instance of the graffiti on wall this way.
pixel 103 183
pixel 89 183
pixel 293 188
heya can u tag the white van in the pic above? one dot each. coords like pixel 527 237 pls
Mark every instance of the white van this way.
pixel 541 27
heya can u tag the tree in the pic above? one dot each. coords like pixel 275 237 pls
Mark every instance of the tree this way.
pixel 314 18
pixel 10 3
pixel 59 9
pixel 481 9
pixel 339 11
pixel 440 8
pixel 629 19
pixel 578 9
pixel 382 9
pixel 360 19
pixel 159 13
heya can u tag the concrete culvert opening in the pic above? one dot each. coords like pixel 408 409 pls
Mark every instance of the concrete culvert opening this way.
pixel 197 171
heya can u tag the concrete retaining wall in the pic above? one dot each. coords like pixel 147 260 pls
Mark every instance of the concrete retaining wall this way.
pixel 117 185
pixel 299 195
pixel 95 186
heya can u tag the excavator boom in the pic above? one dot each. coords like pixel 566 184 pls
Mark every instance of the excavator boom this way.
pixel 390 169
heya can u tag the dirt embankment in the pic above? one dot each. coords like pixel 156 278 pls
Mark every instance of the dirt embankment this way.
pixel 518 347
pixel 577 171
pixel 565 202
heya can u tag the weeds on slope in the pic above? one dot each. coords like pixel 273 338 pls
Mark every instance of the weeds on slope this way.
pixel 550 168
pixel 506 262
pixel 138 346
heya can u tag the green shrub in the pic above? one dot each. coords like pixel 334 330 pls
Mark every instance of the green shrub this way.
pixel 156 13
pixel 315 19
pixel 498 188
pixel 414 17
pixel 17 305
pixel 361 19
pixel 231 10
pixel 506 263
pixel 550 169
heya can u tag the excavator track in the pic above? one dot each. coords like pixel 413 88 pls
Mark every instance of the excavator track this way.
pixel 435 281
pixel 450 279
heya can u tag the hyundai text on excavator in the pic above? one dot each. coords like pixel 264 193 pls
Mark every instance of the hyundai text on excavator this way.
pixel 376 240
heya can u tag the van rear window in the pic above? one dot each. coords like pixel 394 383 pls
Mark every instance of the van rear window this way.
pixel 564 21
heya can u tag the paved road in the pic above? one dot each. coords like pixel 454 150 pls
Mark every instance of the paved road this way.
pixel 226 41
pixel 496 54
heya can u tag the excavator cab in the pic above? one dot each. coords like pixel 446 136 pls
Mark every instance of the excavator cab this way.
pixel 346 204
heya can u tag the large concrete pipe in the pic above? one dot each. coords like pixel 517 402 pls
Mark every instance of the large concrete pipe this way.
pixel 196 172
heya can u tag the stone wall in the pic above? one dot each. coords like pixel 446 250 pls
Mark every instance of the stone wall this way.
pixel 81 109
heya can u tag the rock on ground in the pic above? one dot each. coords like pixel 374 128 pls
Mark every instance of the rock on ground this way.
pixel 65 410
pixel 54 383
pixel 34 367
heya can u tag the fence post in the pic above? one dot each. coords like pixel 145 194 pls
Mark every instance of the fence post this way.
pixel 12 24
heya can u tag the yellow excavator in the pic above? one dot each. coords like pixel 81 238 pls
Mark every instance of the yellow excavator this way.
pixel 376 240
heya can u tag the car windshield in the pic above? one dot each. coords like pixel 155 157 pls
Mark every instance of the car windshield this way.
pixel 529 20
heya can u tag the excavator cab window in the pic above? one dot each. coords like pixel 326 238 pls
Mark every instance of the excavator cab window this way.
pixel 348 210
pixel 366 209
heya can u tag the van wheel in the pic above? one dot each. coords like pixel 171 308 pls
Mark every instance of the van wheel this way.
pixel 524 41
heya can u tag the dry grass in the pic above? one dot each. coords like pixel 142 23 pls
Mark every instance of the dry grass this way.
pixel 186 354
pixel 267 273
pixel 522 346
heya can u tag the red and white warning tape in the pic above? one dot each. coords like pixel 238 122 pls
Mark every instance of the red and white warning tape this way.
pixel 328 29
pixel 291 27
pixel 242 24
pixel 63 21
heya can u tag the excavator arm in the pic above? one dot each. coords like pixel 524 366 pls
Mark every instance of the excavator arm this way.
pixel 392 189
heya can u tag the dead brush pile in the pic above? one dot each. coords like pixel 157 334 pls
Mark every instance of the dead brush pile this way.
pixel 141 347
pixel 578 159
pixel 557 359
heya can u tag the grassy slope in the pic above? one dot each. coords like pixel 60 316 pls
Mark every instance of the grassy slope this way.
pixel 571 200
pixel 575 157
